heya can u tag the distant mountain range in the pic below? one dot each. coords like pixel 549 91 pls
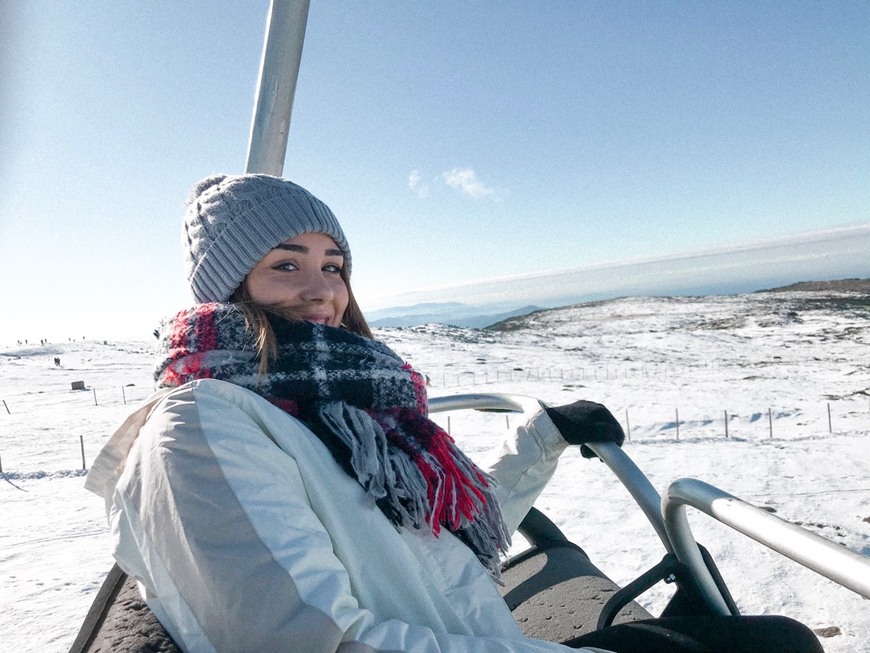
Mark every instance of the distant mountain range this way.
pixel 483 315
pixel 450 313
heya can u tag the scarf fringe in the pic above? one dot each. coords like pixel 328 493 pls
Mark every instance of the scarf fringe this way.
pixel 458 493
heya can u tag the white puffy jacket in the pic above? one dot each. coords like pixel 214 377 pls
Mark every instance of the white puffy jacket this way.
pixel 248 536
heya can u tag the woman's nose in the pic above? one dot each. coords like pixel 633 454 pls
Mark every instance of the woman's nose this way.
pixel 316 287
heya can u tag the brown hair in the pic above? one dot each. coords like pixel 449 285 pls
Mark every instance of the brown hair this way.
pixel 256 318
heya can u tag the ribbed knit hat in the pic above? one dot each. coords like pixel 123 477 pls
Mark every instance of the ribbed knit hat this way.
pixel 232 222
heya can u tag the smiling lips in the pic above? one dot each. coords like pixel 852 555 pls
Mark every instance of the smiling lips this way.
pixel 318 318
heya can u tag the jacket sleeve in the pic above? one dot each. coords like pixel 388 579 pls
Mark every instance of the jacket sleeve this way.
pixel 524 464
pixel 222 534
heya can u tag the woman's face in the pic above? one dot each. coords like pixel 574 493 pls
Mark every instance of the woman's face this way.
pixel 302 274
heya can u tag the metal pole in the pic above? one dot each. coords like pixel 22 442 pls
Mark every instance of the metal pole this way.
pixel 82 442
pixel 279 70
pixel 6 407
pixel 677 413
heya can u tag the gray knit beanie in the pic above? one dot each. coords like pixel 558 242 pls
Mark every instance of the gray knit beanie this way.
pixel 232 222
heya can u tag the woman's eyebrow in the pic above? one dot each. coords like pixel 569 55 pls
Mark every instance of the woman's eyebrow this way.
pixel 290 247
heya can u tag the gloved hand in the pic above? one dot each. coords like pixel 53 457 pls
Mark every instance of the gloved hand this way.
pixel 586 421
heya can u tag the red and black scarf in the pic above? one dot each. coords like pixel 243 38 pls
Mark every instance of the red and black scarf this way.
pixel 362 401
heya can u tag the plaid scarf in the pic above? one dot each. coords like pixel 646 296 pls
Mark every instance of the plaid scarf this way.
pixel 364 403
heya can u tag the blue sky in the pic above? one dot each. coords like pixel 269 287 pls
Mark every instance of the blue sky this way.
pixel 456 141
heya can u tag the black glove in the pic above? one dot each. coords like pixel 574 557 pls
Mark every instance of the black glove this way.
pixel 586 421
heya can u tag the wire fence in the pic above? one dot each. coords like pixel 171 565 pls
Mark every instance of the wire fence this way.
pixel 103 407
pixel 808 419
pixel 62 426
pixel 458 378
pixel 78 396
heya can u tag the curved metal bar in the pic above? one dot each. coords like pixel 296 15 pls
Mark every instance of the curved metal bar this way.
pixel 279 70
pixel 495 401
pixel 687 551
pixel 835 562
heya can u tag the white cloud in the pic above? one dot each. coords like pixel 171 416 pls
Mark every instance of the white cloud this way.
pixel 465 180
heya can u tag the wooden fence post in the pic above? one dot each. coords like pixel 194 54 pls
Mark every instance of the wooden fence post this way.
pixel 726 423
pixel 82 442
pixel 124 395
pixel 627 426
pixel 677 413
pixel 770 421
pixel 95 397
pixel 6 407
pixel 830 426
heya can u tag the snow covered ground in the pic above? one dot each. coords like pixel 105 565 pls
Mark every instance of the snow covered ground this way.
pixel 789 373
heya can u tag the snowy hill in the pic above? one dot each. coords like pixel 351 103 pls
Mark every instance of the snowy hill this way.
pixel 452 313
pixel 488 314
pixel 766 395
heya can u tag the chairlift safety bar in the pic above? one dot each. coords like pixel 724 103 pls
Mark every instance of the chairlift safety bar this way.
pixel 831 560
pixel 501 402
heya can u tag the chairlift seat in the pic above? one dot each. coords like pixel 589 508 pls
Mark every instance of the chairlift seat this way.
pixel 554 590
pixel 120 620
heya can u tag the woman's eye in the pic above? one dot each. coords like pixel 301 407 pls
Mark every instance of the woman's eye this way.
pixel 286 266
pixel 335 269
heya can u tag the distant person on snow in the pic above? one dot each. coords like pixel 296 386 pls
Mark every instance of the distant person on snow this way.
pixel 284 490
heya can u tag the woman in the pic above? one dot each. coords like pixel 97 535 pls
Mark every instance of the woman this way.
pixel 284 490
